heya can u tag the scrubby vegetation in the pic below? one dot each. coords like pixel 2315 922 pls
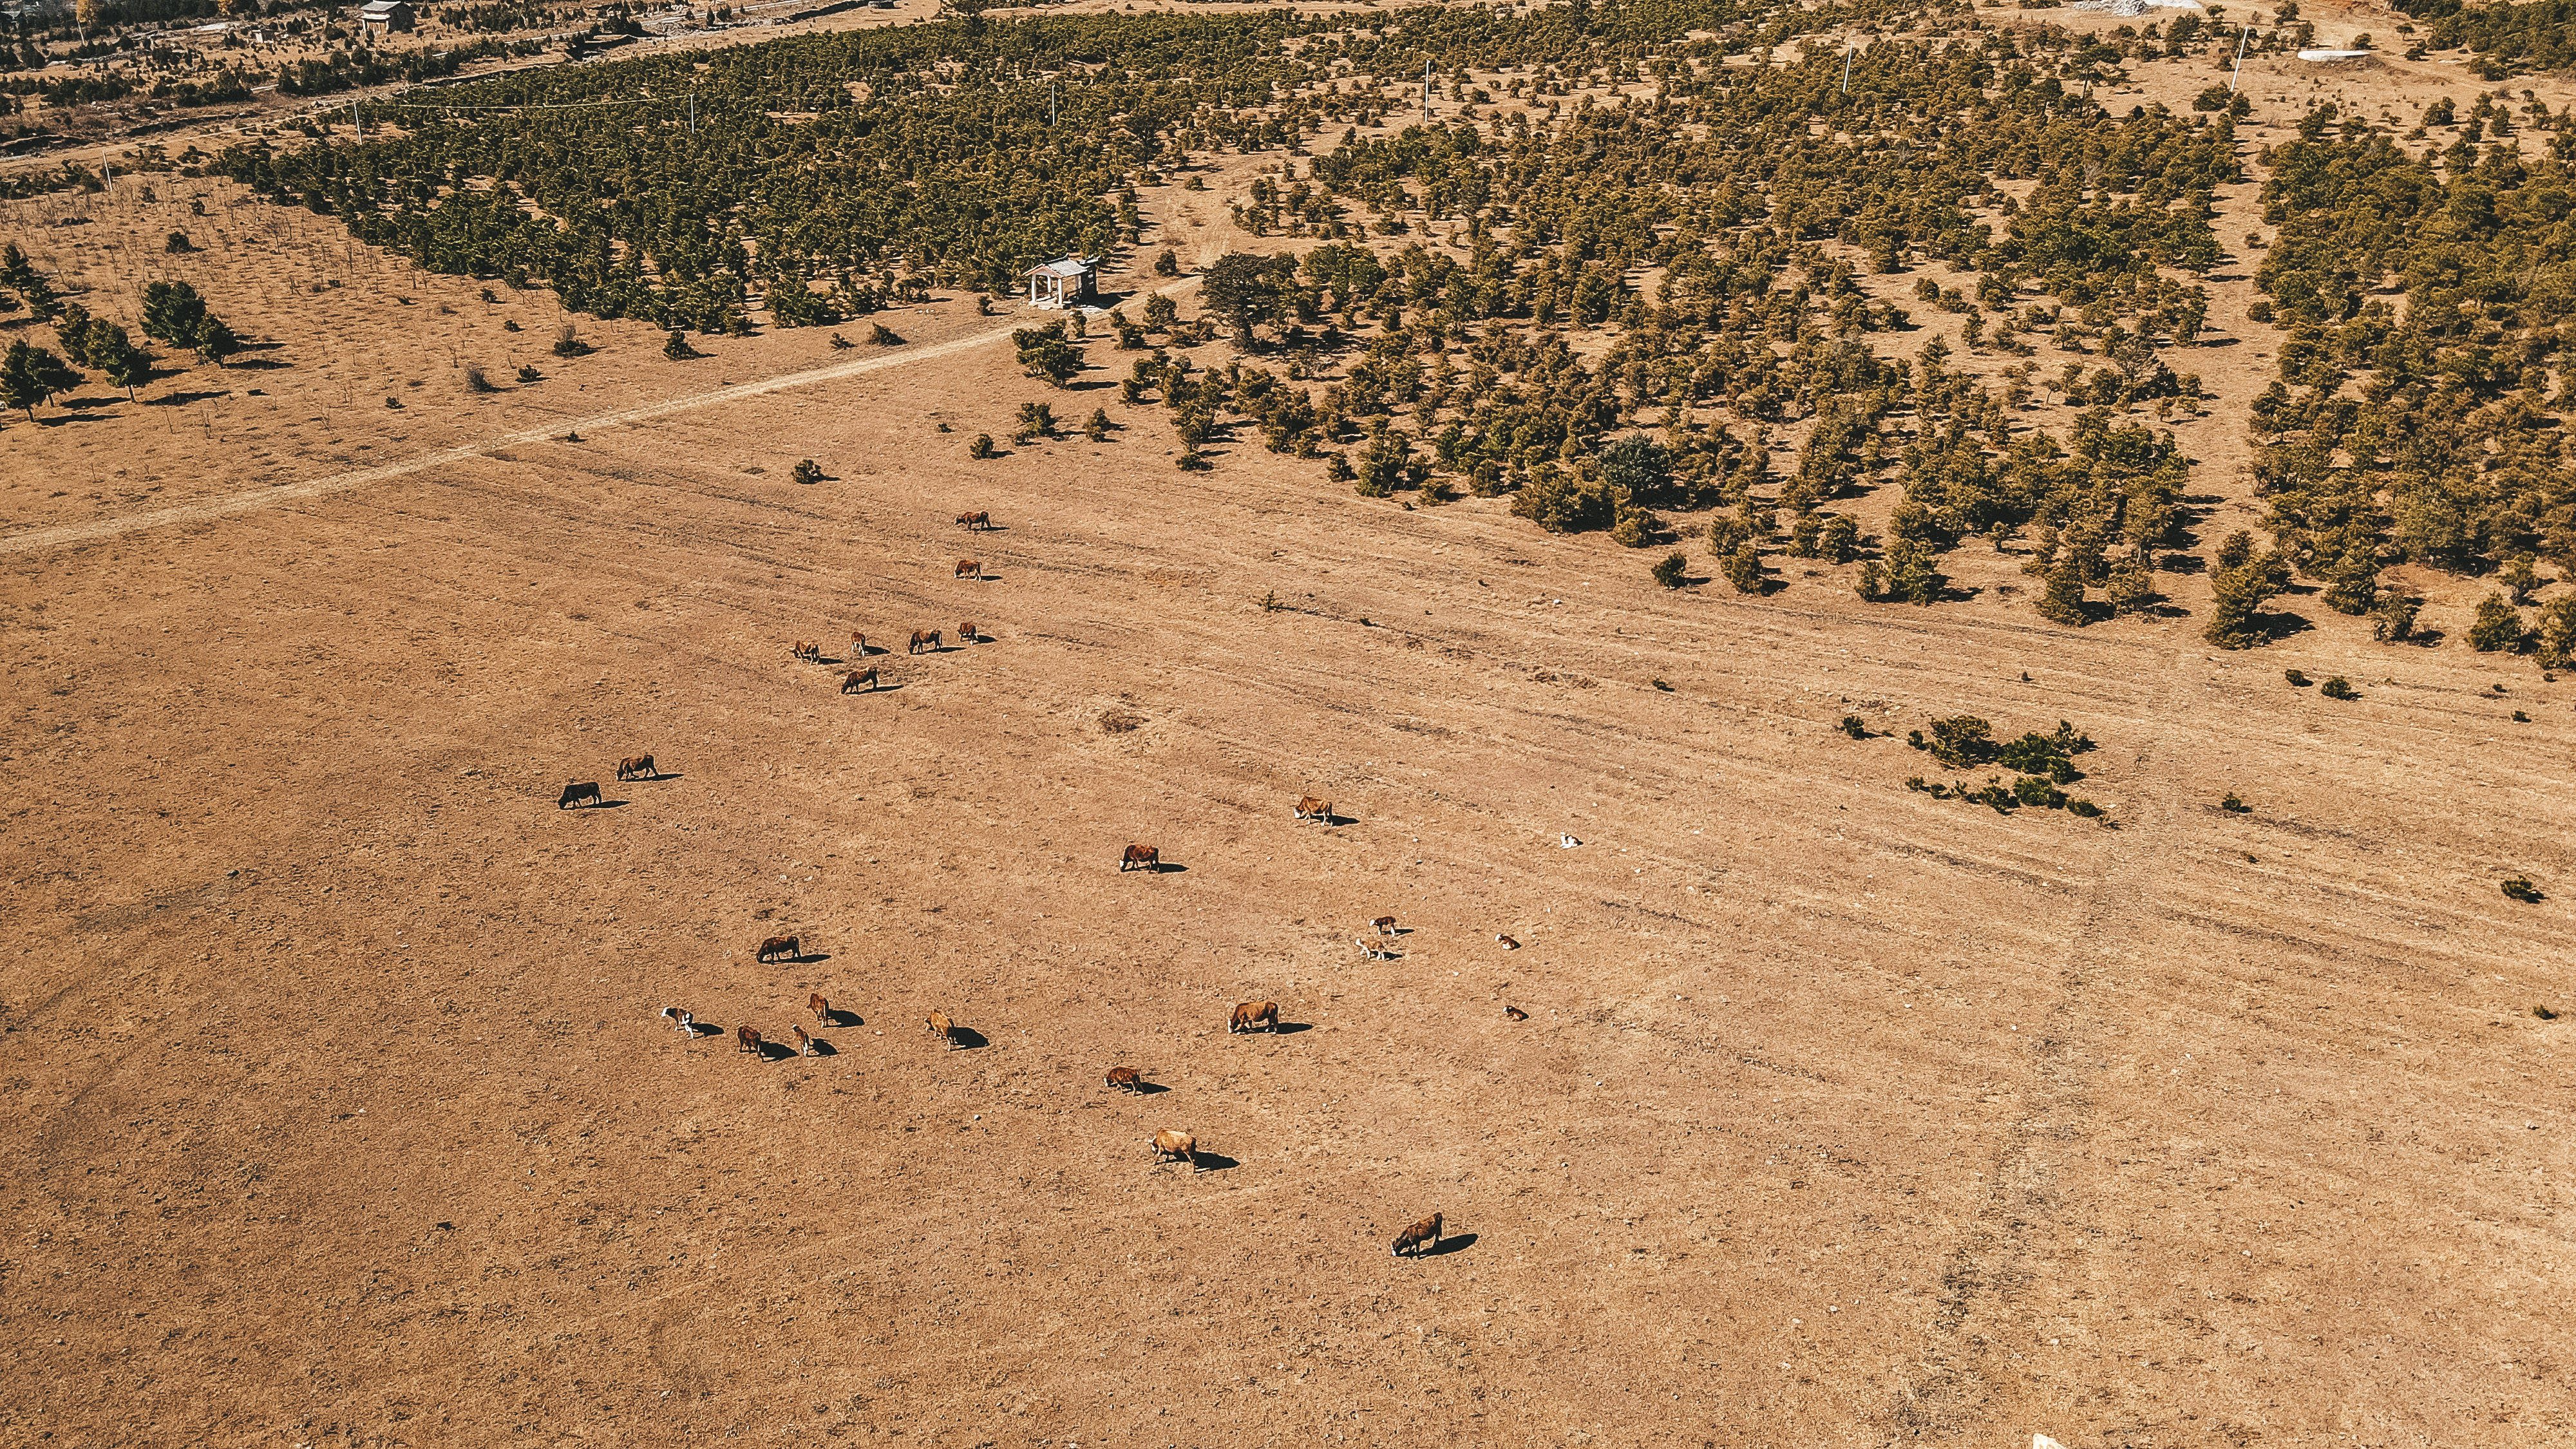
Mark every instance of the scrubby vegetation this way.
pixel 2041 763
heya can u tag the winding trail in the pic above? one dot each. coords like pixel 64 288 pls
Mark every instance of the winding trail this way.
pixel 275 495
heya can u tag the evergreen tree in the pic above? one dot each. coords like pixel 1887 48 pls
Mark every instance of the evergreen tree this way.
pixel 2240 592
pixel 2556 635
pixel 213 341
pixel 1045 354
pixel 2498 626
pixel 128 367
pixel 2062 601
pixel 172 313
pixel 2132 587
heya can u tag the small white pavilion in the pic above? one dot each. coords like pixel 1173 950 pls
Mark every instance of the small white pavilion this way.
pixel 1064 282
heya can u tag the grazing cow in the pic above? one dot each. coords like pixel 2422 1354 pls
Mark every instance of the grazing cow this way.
pixel 1385 925
pixel 809 650
pixel 924 639
pixel 858 645
pixel 1508 943
pixel 1515 1013
pixel 1373 948
pixel 1252 1015
pixel 1171 1146
pixel 970 633
pixel 1141 857
pixel 973 521
pixel 1310 808
pixel 1421 1237
pixel 941 1027
pixel 1125 1079
pixel 575 794
pixel 687 1024
pixel 858 679
pixel 746 1039
pixel 781 946
pixel 968 568
pixel 822 1009
pixel 639 768
pixel 804 1043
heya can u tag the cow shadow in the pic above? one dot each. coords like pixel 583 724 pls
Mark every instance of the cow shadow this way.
pixel 1291 1028
pixel 776 1051
pixel 598 805
pixel 1206 1161
pixel 659 776
pixel 696 1029
pixel 967 1039
pixel 882 688
pixel 823 1048
pixel 836 1017
pixel 1165 867
pixel 1449 1243
pixel 1150 1089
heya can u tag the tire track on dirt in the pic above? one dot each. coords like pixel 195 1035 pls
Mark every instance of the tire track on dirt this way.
pixel 1958 1383
pixel 274 495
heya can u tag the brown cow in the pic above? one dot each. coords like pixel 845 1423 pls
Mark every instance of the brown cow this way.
pixel 970 633
pixel 1249 1015
pixel 1310 808
pixel 1508 943
pixel 804 1043
pixel 924 639
pixel 968 568
pixel 822 1009
pixel 1416 1237
pixel 1515 1013
pixel 1374 949
pixel 811 651
pixel 858 679
pixel 941 1027
pixel 746 1039
pixel 1385 925
pixel 973 521
pixel 1142 857
pixel 778 946
pixel 680 1018
pixel 1125 1079
pixel 1171 1146
pixel 639 768
pixel 858 645
pixel 576 793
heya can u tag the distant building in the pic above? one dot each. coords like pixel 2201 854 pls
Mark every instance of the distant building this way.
pixel 1063 282
pixel 386 17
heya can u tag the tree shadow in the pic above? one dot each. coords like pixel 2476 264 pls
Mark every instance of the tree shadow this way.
pixel 2274 625
pixel 259 364
pixel 182 399
pixel 85 403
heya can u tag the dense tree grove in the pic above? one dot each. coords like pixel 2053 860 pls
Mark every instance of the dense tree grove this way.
pixel 1621 277
pixel 2416 429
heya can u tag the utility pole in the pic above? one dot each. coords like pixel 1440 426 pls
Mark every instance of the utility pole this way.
pixel 1847 50
pixel 1050 103
pixel 693 110
pixel 1426 90
pixel 2240 59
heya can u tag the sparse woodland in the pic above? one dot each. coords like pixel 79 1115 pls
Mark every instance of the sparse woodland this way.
pixel 1620 279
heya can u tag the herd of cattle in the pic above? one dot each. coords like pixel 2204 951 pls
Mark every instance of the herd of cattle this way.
pixel 1168 1145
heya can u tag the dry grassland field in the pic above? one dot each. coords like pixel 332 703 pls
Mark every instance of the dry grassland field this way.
pixel 1829 1113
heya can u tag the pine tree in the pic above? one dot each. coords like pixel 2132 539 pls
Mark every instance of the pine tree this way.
pixel 1744 568
pixel 2498 626
pixel 2556 635
pixel 2063 600
pixel 129 367
pixel 213 341
pixel 2240 592
pixel 2132 586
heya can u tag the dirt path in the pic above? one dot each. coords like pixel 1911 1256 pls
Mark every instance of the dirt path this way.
pixel 250 499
